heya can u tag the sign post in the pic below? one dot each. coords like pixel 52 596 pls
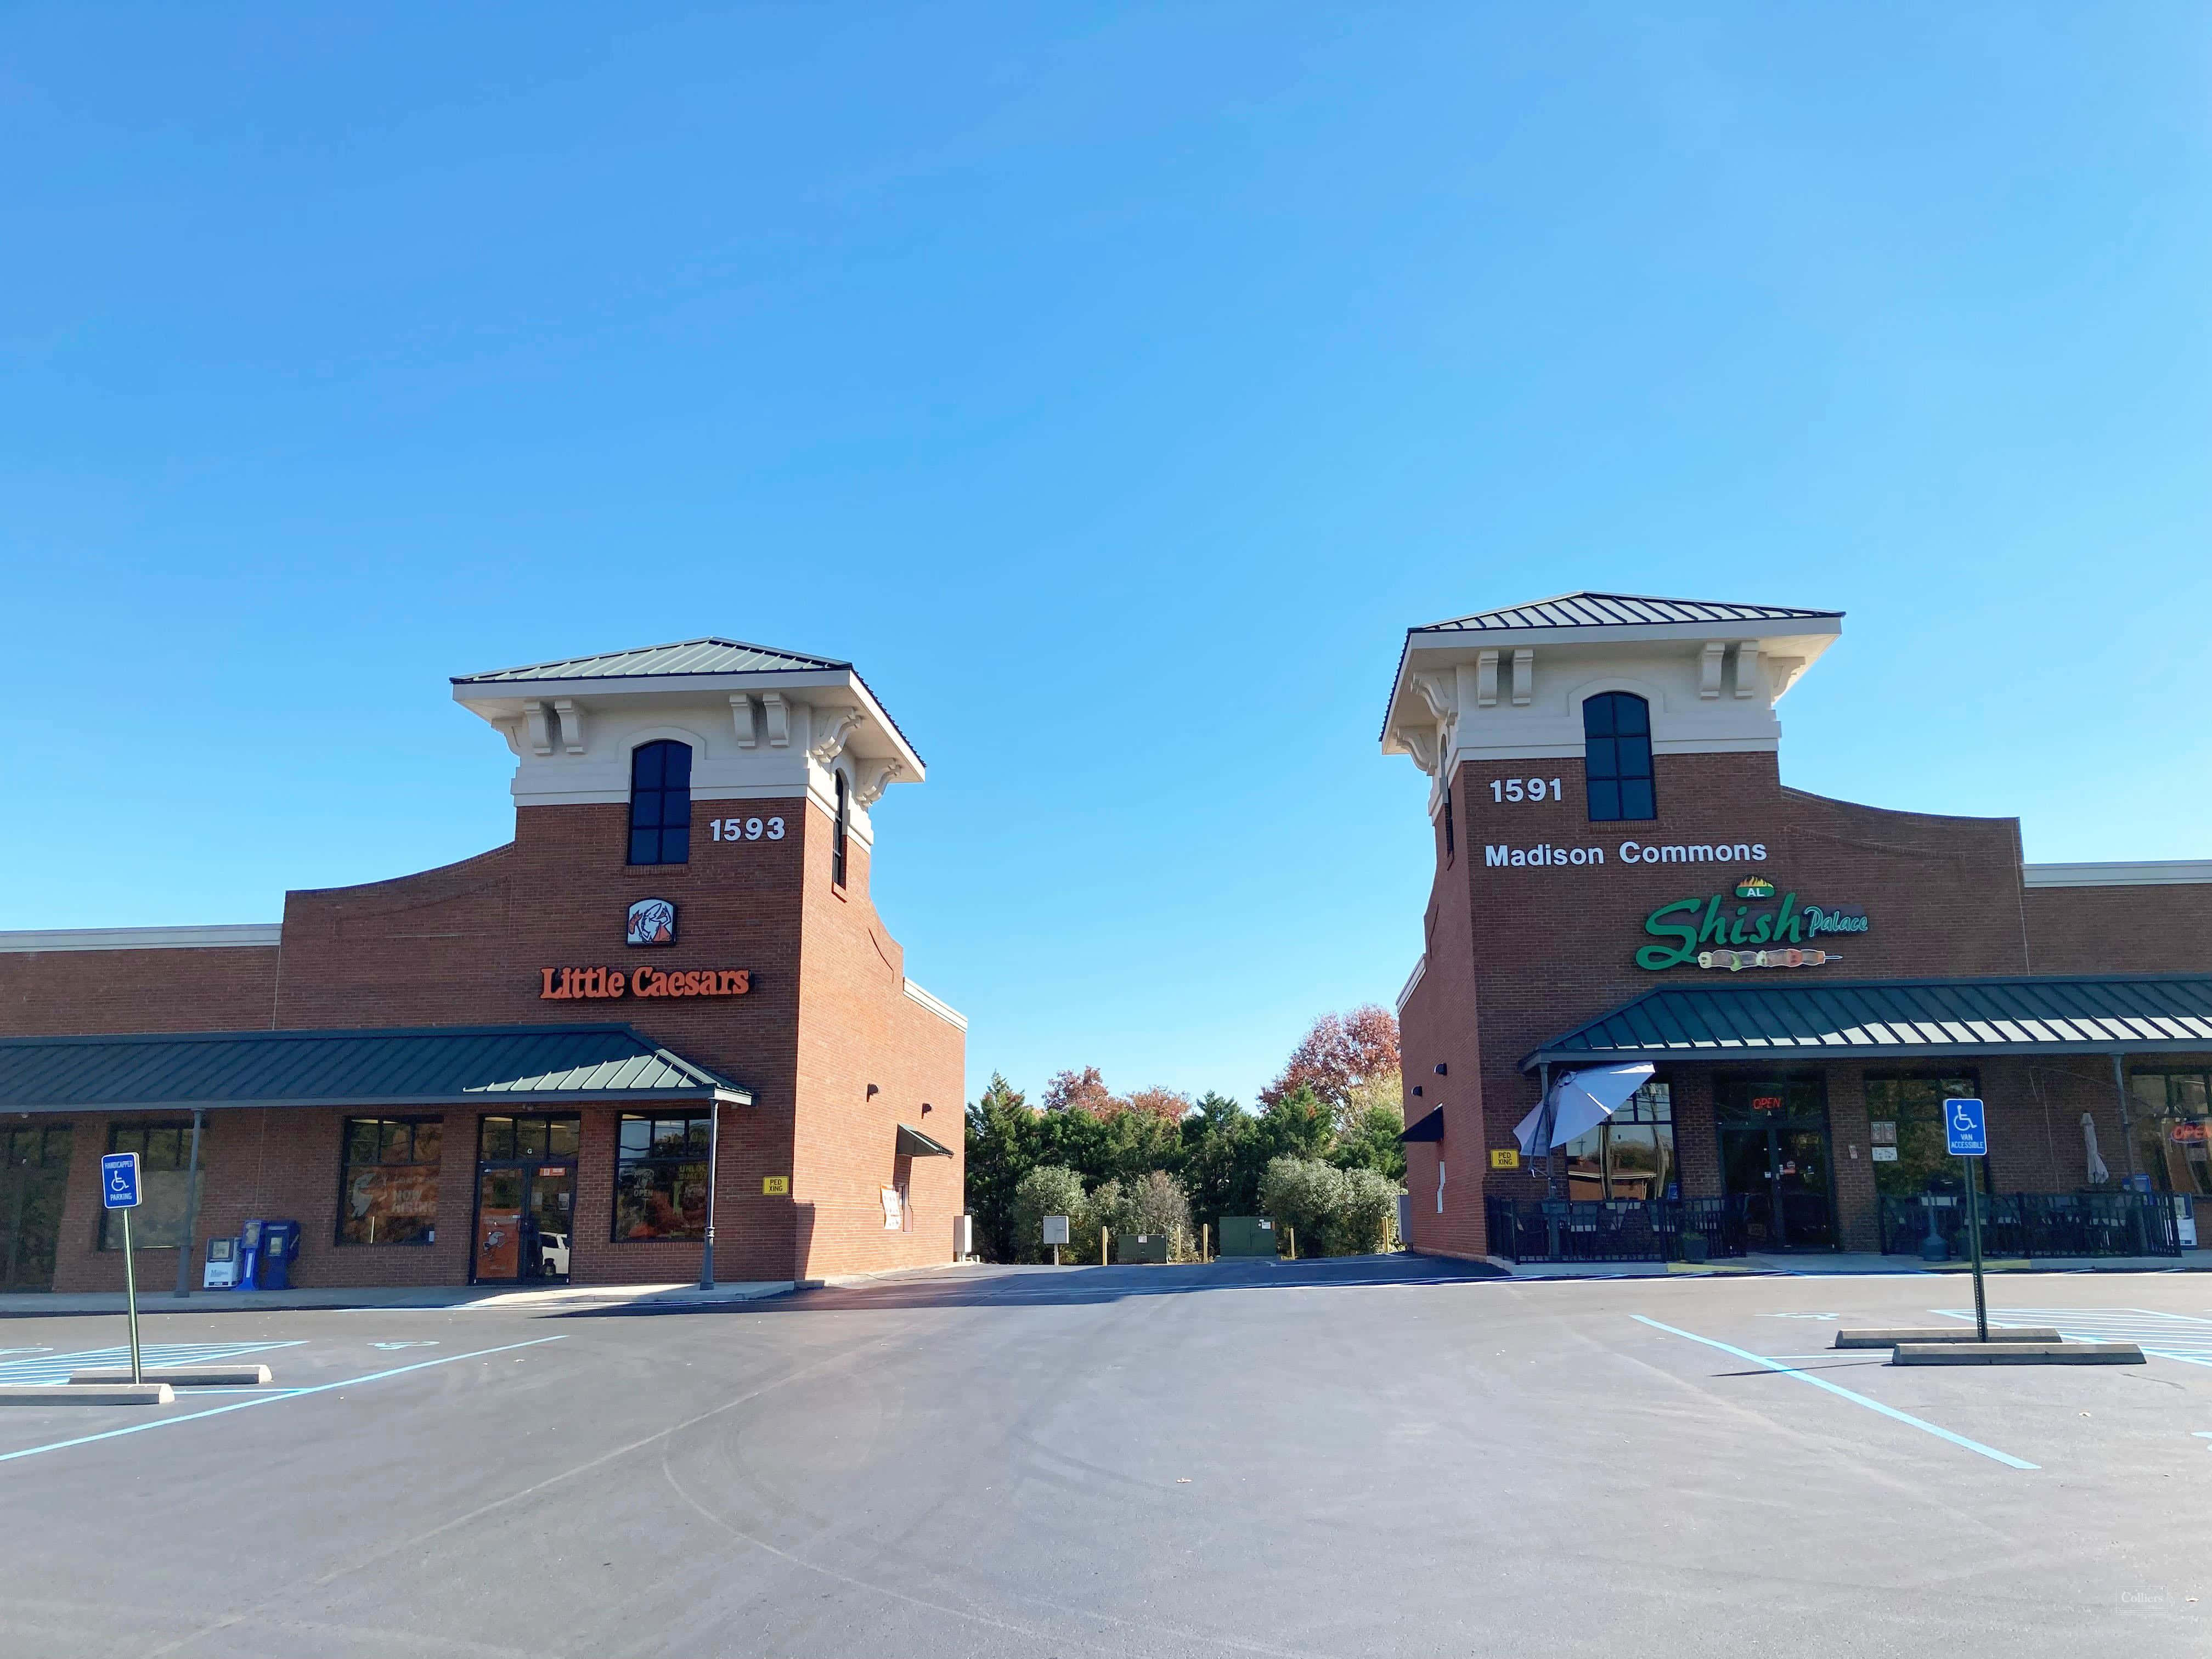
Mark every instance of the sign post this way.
pixel 1966 1132
pixel 118 1190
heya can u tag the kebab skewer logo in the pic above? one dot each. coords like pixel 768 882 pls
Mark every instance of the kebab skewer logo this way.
pixel 1712 931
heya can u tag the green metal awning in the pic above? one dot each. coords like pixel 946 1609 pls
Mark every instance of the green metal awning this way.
pixel 913 1144
pixel 1430 1128
pixel 1897 1019
pixel 494 1066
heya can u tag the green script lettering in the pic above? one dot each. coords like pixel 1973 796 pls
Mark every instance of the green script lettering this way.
pixel 1659 956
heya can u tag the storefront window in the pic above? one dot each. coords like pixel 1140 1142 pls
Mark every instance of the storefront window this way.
pixel 166 1182
pixel 502 1139
pixel 388 1181
pixel 1910 1149
pixel 660 1178
pixel 2173 1125
pixel 1631 1154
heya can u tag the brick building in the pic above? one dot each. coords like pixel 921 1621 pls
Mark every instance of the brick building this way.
pixel 539 1062
pixel 1623 880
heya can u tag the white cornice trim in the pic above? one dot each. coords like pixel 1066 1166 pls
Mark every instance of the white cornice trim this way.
pixel 1520 751
pixel 214 937
pixel 943 1010
pixel 2157 872
pixel 1413 980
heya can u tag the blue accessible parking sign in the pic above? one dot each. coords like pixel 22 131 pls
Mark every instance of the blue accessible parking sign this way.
pixel 1964 1128
pixel 118 1180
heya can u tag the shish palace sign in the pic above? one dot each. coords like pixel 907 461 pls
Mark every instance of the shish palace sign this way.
pixel 1711 932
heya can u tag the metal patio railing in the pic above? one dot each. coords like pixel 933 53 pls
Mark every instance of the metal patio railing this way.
pixel 1612 1230
pixel 2031 1224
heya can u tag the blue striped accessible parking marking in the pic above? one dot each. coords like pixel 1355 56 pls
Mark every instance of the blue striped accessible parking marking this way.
pixel 1838 1389
pixel 57 1367
pixel 2164 1335
pixel 272 1397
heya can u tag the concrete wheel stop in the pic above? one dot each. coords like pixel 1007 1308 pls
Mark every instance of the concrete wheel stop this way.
pixel 183 1376
pixel 102 1394
pixel 1881 1337
pixel 2020 1345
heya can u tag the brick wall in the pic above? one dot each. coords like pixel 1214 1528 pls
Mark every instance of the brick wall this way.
pixel 465 946
pixel 1518 955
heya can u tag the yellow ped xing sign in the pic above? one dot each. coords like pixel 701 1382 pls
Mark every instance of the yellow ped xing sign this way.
pixel 1505 1157
pixel 776 1186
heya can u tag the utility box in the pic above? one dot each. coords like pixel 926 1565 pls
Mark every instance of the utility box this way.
pixel 1055 1230
pixel 1247 1234
pixel 964 1237
pixel 220 1271
pixel 1141 1248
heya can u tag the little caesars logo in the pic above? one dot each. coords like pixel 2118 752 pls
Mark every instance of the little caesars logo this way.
pixel 1707 931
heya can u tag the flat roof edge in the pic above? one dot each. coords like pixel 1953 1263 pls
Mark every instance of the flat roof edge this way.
pixel 2152 872
pixel 212 936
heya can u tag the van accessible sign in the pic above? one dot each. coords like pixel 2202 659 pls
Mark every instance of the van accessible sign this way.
pixel 1704 930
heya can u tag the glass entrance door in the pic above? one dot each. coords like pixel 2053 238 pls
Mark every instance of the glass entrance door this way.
pixel 1775 1156
pixel 525 1198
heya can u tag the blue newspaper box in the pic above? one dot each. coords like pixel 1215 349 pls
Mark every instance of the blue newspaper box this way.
pixel 280 1247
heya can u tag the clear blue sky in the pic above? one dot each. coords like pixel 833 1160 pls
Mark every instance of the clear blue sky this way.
pixel 1112 385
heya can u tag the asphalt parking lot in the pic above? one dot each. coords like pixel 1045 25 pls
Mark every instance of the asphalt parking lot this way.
pixel 1368 1457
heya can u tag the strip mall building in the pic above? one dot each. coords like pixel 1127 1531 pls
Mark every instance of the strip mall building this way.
pixel 538 1063
pixel 1623 879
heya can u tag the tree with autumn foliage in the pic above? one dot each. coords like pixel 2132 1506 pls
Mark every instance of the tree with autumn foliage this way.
pixel 1347 1060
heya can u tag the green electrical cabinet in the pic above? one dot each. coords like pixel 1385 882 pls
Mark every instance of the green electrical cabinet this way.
pixel 1247 1234
pixel 1141 1248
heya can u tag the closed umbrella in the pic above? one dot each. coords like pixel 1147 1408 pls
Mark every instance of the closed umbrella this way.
pixel 1578 1103
pixel 2098 1175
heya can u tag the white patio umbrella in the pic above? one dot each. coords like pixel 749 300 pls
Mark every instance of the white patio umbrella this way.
pixel 1578 1103
pixel 2098 1175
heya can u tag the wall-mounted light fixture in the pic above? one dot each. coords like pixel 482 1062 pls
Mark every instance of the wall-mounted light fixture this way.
pixel 1440 1068
pixel 924 1108
pixel 1417 1088
pixel 872 1091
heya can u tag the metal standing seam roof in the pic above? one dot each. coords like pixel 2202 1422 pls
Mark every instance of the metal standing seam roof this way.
pixel 915 1143
pixel 512 1065
pixel 708 655
pixel 1890 1019
pixel 1588 610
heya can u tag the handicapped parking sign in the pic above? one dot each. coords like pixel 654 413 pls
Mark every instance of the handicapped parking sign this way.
pixel 118 1180
pixel 1965 1131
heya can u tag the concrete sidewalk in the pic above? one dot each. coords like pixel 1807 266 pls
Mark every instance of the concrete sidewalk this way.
pixel 552 1299
pixel 1821 1262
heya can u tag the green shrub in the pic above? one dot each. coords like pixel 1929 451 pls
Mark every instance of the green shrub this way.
pixel 1049 1189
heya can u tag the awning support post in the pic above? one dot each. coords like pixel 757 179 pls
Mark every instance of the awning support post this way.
pixel 185 1251
pixel 713 1157
pixel 1544 1127
pixel 2127 1118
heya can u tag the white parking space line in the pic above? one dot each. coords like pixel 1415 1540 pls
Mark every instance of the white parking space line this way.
pixel 2163 1335
pixel 50 1367
pixel 1842 1392
pixel 272 1397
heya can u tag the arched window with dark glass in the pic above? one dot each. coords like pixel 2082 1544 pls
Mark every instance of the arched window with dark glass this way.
pixel 660 803
pixel 1617 757
pixel 844 822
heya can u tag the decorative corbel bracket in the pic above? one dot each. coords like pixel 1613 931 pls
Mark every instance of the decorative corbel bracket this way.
pixel 1709 668
pixel 839 724
pixel 1746 668
pixel 741 717
pixel 572 724
pixel 1485 680
pixel 878 776
pixel 1421 745
pixel 776 716
pixel 1524 676
pixel 541 729
pixel 1438 694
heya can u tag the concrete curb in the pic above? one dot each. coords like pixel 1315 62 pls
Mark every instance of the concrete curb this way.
pixel 204 1376
pixel 1879 1337
pixel 2017 1354
pixel 48 1393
